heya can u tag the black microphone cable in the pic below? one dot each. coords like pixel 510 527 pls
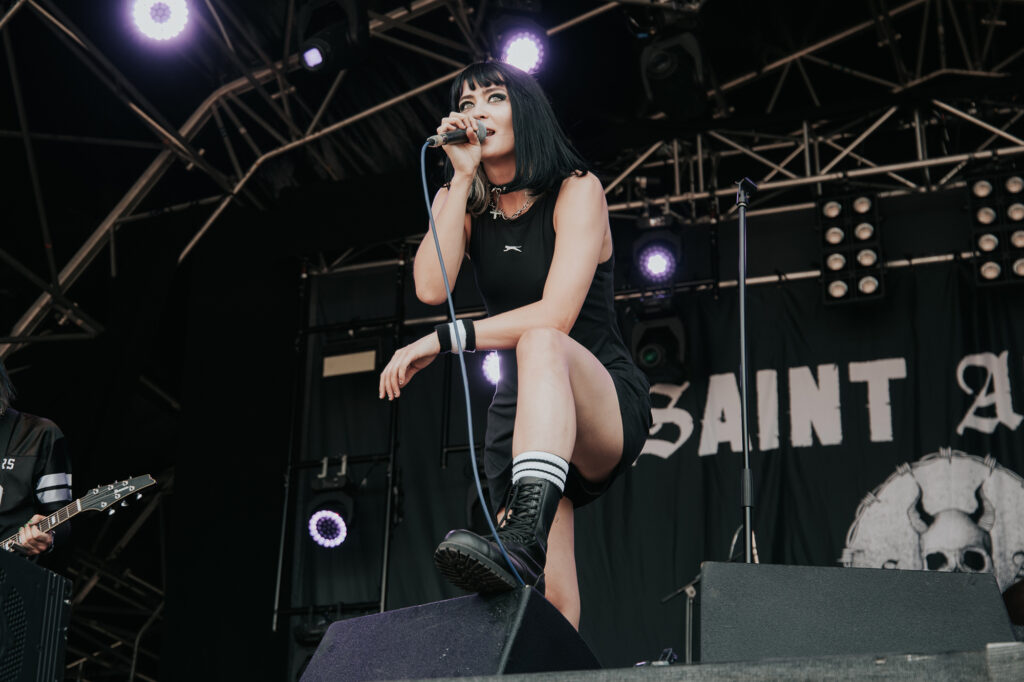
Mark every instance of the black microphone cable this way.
pixel 462 365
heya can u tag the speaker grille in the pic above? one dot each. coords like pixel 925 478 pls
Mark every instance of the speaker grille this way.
pixel 13 627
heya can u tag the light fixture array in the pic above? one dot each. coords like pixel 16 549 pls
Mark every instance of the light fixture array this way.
pixel 851 248
pixel 997 227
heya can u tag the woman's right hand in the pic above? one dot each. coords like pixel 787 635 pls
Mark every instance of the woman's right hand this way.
pixel 464 157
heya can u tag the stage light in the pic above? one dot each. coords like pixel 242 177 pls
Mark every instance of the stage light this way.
pixel 312 58
pixel 335 33
pixel 1018 267
pixel 856 261
pixel 1017 239
pixel 837 289
pixel 834 235
pixel 160 19
pixel 990 270
pixel 492 367
pixel 986 215
pixel 982 188
pixel 1014 184
pixel 867 258
pixel 525 51
pixel 867 285
pixel 519 42
pixel 1015 212
pixel 658 346
pixel 831 209
pixel 657 263
pixel 836 261
pixel 327 528
pixel 988 242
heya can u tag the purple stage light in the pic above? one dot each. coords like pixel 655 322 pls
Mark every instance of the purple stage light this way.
pixel 657 263
pixel 492 367
pixel 523 50
pixel 327 528
pixel 160 19
pixel 313 57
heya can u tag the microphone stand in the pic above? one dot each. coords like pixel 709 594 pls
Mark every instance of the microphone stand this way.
pixel 747 481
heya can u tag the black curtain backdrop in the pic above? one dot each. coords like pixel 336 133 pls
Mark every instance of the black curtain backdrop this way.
pixel 842 397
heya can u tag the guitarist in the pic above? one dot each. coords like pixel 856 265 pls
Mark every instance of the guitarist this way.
pixel 35 475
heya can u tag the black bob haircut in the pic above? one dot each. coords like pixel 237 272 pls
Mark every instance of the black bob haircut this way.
pixel 544 155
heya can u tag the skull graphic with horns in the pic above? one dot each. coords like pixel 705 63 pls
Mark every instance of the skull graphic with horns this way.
pixel 953 540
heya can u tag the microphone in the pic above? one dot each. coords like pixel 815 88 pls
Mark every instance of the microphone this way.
pixel 457 136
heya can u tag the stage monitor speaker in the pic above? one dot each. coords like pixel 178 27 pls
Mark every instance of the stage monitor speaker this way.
pixel 751 612
pixel 512 632
pixel 34 613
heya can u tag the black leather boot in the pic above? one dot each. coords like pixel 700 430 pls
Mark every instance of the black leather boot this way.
pixel 476 564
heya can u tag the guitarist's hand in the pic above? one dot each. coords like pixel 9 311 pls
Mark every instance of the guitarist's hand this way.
pixel 33 541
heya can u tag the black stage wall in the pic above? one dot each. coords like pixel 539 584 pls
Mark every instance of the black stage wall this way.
pixel 885 434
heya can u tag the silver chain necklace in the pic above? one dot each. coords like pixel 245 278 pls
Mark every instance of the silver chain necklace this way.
pixel 496 211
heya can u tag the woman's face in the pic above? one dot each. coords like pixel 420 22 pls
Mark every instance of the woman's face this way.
pixel 491 105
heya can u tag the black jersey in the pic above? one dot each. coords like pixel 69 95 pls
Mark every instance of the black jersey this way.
pixel 511 260
pixel 35 471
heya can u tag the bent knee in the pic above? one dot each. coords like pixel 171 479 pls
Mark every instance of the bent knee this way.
pixel 540 341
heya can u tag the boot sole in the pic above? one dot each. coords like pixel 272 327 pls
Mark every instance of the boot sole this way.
pixel 472 572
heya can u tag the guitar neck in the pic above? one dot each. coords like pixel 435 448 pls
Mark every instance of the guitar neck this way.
pixel 49 523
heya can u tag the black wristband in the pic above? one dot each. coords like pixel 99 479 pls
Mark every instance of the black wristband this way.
pixel 470 336
pixel 444 336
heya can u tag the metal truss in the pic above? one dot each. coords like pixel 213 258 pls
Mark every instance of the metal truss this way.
pixel 893 150
pixel 224 111
pixel 115 611
pixel 809 156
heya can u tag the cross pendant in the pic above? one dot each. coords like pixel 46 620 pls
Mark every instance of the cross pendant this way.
pixel 495 212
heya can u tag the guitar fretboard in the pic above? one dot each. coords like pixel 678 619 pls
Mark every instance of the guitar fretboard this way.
pixel 49 523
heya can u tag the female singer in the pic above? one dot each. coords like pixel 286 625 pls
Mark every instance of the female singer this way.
pixel 571 411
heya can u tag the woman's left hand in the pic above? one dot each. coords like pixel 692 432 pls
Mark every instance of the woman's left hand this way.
pixel 406 362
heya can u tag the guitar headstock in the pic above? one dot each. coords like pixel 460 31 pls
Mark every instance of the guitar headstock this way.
pixel 106 496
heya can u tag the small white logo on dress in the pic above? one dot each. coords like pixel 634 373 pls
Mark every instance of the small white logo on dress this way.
pixel 517 249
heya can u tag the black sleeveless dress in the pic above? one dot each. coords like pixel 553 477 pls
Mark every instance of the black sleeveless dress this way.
pixel 511 259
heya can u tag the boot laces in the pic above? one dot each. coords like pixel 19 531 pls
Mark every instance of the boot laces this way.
pixel 521 513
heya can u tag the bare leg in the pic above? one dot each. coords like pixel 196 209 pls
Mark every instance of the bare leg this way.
pixel 567 404
pixel 561 586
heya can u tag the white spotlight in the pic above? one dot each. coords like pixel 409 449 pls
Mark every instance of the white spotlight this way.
pixel 986 215
pixel 867 258
pixel 982 188
pixel 834 235
pixel 1014 184
pixel 867 285
pixel 1018 267
pixel 988 242
pixel 861 205
pixel 837 289
pixel 835 261
pixel 990 270
pixel 160 19
pixel 831 209
pixel 1015 212
pixel 1017 239
pixel 864 231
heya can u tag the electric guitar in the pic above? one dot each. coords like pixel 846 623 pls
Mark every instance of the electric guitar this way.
pixel 103 498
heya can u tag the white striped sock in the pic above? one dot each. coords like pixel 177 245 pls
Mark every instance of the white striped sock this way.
pixel 543 465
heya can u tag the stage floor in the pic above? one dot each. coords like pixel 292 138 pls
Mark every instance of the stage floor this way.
pixel 1000 662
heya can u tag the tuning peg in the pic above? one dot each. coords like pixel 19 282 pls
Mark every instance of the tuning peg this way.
pixel 138 496
pixel 111 511
pixel 124 503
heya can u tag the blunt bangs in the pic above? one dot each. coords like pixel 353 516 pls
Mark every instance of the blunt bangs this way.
pixel 544 155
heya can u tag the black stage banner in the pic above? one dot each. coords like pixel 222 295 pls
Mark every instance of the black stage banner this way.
pixel 886 433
